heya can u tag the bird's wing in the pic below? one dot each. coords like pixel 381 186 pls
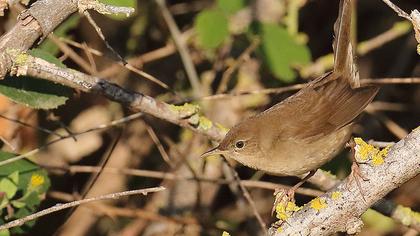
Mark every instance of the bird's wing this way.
pixel 319 109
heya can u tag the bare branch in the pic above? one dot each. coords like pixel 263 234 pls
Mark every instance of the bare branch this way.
pixel 102 8
pixel 186 116
pixel 60 207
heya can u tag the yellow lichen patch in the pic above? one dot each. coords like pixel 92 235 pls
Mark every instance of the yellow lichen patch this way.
pixel 335 195
pixel 378 159
pixel 225 233
pixel 204 123
pixel 21 58
pixel 368 152
pixel 364 150
pixel 279 229
pixel 285 210
pixel 407 216
pixel 318 204
pixel 36 180
pixel 185 110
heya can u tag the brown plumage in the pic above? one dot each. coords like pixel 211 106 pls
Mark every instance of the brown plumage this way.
pixel 307 129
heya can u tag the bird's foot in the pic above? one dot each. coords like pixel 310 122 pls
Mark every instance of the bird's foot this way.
pixel 356 174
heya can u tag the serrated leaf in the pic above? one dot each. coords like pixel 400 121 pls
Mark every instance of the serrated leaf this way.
pixel 231 6
pixel 121 3
pixel 34 93
pixel 43 54
pixel 212 28
pixel 8 187
pixel 281 52
pixel 60 31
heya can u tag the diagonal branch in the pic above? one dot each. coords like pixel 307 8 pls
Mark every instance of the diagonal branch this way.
pixel 186 115
pixel 339 209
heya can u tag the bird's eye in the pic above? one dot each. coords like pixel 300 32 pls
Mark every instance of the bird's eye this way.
pixel 240 144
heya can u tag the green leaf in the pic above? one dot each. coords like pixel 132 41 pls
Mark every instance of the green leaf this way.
pixel 22 166
pixel 3 201
pixel 14 177
pixel 8 187
pixel 33 183
pixel 231 6
pixel 32 200
pixel 281 52
pixel 60 31
pixel 4 232
pixel 29 173
pixel 34 93
pixel 9 184
pixel 212 28
pixel 121 3
pixel 43 54
pixel 18 204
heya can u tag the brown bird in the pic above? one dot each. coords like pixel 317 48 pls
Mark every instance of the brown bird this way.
pixel 308 129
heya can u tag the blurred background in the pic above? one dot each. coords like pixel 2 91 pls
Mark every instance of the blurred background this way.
pixel 222 55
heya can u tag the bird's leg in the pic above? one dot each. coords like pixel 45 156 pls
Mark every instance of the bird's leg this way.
pixel 280 193
pixel 292 190
pixel 355 174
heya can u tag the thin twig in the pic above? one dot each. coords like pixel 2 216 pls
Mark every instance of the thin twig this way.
pixel 243 57
pixel 159 145
pixel 72 54
pixel 142 59
pixel 170 176
pixel 247 196
pixel 31 126
pixel 5 141
pixel 89 55
pixel 180 44
pixel 378 81
pixel 398 10
pixel 127 212
pixel 79 45
pixel 103 126
pixel 60 207
pixel 102 36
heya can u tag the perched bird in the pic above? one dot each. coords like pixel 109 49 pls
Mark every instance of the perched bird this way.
pixel 309 128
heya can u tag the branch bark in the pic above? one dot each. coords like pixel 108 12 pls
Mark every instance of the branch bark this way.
pixel 340 208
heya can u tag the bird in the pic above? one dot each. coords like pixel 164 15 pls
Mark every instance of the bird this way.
pixel 301 133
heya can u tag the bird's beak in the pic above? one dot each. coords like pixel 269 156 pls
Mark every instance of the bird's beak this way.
pixel 213 151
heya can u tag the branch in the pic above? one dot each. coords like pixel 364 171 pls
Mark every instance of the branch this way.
pixel 339 209
pixel 60 207
pixel 186 115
